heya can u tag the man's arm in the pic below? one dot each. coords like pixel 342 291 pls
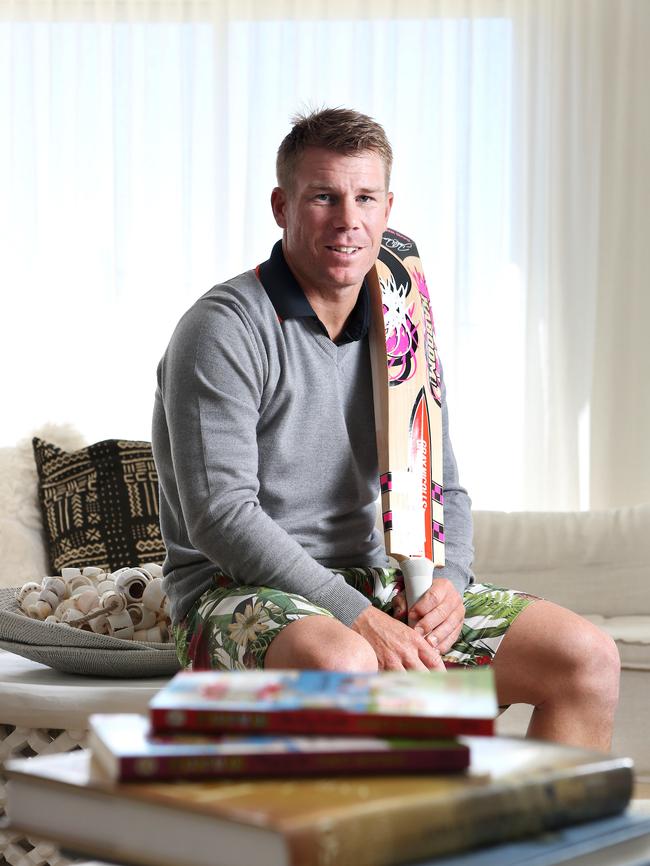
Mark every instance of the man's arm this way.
pixel 459 549
pixel 212 382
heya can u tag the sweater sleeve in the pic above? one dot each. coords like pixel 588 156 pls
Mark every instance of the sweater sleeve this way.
pixel 212 382
pixel 459 550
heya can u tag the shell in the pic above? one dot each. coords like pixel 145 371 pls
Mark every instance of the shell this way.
pixel 99 625
pixel 71 615
pixel 87 600
pixel 120 625
pixel 26 589
pixel 55 585
pixel 64 605
pixel 113 601
pixel 77 583
pixel 142 617
pixel 132 582
pixel 158 634
pixel 38 610
pixel 154 596
pixel 50 597
pixel 29 601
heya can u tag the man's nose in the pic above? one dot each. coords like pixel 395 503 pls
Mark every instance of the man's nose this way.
pixel 346 213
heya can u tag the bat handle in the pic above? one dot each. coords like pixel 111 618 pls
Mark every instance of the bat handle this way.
pixel 418 577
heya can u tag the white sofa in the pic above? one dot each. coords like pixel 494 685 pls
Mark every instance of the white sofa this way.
pixel 596 563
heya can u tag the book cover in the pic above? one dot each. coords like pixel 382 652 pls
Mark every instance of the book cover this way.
pixel 123 745
pixel 514 788
pixel 427 704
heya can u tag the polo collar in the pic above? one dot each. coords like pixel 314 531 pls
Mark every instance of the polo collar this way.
pixel 290 302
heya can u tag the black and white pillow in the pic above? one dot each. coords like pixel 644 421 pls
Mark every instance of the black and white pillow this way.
pixel 100 504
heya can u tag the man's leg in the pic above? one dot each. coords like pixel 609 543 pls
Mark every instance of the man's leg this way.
pixel 567 668
pixel 245 627
pixel 320 643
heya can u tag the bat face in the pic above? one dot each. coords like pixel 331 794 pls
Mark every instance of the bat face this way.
pixel 407 392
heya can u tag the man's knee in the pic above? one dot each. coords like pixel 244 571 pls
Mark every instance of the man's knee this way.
pixel 550 653
pixel 320 643
pixel 592 663
pixel 601 663
pixel 354 654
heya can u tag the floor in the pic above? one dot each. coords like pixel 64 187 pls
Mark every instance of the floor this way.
pixel 642 791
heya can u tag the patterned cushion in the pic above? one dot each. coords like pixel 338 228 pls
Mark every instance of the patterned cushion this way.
pixel 100 504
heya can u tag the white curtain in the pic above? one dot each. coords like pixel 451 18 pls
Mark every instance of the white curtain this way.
pixel 137 145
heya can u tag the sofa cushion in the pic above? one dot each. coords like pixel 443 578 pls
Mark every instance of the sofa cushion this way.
pixel 100 504
pixel 22 541
pixel 593 562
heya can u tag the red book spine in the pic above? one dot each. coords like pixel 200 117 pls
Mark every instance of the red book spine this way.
pixel 320 721
pixel 294 764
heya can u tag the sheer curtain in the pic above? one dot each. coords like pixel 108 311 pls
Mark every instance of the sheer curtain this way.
pixel 137 157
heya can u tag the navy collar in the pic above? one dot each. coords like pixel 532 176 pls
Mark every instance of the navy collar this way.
pixel 289 300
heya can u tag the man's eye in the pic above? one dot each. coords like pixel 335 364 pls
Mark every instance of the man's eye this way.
pixel 323 196
pixel 365 198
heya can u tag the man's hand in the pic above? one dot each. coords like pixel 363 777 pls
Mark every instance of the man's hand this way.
pixel 396 646
pixel 438 615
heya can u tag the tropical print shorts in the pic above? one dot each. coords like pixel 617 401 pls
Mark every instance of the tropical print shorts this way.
pixel 231 626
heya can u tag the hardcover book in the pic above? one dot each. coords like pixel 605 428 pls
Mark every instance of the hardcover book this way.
pixel 124 747
pixel 514 788
pixel 422 704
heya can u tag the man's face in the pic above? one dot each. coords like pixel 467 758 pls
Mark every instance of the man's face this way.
pixel 333 218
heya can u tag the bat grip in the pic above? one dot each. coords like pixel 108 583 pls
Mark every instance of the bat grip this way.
pixel 418 577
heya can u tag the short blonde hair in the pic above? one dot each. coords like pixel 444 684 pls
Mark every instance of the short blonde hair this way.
pixel 342 130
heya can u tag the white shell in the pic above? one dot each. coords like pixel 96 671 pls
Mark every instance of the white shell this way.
pixel 29 600
pixel 113 601
pixel 141 616
pixel 158 634
pixel 68 573
pixel 99 625
pixel 120 625
pixel 132 583
pixel 55 585
pixel 105 585
pixel 71 615
pixel 76 582
pixel 153 569
pixel 64 605
pixel 87 600
pixel 26 588
pixel 92 571
pixel 154 596
pixel 41 609
pixel 50 597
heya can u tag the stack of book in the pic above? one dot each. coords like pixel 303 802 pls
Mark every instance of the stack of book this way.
pixel 297 723
pixel 358 778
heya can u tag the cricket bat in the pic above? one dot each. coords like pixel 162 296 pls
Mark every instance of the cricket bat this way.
pixel 408 414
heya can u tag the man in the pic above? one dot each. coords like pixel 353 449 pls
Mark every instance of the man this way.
pixel 264 441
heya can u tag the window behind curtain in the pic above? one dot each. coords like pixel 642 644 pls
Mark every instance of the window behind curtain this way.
pixel 136 163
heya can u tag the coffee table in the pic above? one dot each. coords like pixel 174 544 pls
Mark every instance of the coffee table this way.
pixel 43 711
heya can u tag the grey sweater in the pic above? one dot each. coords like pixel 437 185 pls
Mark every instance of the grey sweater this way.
pixel 263 437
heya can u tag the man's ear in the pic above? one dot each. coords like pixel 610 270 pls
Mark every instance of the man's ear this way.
pixel 389 205
pixel 278 206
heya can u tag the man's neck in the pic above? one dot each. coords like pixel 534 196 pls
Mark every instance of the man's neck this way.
pixel 335 311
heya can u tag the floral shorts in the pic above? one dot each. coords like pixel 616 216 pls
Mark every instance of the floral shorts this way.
pixel 231 626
